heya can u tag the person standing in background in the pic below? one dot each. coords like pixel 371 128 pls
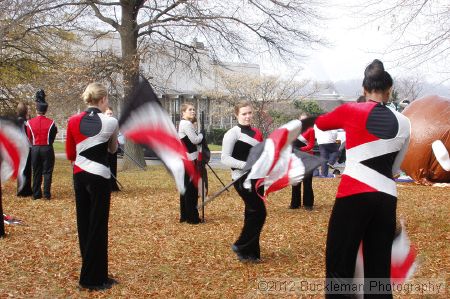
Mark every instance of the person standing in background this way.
pixel 328 148
pixel 22 117
pixel 189 137
pixel 41 132
pixel 304 142
pixel 112 158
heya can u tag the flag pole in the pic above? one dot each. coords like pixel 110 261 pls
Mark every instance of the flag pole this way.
pixel 202 163
pixel 223 184
pixel 120 185
pixel 215 195
pixel 132 159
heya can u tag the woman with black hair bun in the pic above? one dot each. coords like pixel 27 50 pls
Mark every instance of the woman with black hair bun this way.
pixel 41 132
pixel 366 200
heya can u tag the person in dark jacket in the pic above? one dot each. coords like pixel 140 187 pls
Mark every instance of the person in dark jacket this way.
pixel 305 143
pixel 22 117
pixel 41 132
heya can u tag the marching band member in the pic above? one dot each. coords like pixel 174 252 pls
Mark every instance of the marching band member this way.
pixel 236 146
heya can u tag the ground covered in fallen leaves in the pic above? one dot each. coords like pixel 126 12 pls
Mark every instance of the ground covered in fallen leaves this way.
pixel 152 255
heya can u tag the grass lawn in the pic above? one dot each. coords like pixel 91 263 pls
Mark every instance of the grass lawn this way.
pixel 59 147
pixel 152 255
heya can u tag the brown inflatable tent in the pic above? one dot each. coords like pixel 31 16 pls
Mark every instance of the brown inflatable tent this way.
pixel 430 121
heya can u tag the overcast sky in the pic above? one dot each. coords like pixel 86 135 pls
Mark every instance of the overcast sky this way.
pixel 353 46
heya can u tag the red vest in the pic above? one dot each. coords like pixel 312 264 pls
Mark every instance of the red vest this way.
pixel 41 130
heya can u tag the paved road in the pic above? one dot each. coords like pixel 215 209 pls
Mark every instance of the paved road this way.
pixel 214 163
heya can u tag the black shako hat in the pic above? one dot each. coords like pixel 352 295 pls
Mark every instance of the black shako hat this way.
pixel 41 105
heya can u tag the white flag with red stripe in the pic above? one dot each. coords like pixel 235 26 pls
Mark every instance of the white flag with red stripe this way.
pixel 144 121
pixel 13 151
pixel 403 259
pixel 276 166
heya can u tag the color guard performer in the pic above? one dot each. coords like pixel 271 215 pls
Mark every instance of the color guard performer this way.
pixel 236 146
pixel 366 200
pixel 91 135
pixel 190 138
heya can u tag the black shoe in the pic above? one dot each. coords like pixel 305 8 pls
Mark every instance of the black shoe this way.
pixel 252 259
pixel 182 220
pixel 111 281
pixel 37 197
pixel 104 286
pixel 309 208
pixel 194 222
pixel 24 194
pixel 92 288
pixel 293 208
pixel 241 257
pixel 235 249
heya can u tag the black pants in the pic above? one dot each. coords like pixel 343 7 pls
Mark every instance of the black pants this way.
pixel 112 159
pixel 308 193
pixel 26 188
pixel 254 218
pixel 367 217
pixel 189 202
pixel 329 152
pixel 42 161
pixel 92 194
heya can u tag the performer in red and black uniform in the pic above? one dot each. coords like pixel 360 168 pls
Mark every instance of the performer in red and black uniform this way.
pixel 236 146
pixel 90 136
pixel 41 132
pixel 305 142
pixel 366 201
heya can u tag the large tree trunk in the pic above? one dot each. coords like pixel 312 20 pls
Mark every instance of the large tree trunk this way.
pixel 130 61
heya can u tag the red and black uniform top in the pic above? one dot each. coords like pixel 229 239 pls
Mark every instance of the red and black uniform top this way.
pixel 377 140
pixel 90 135
pixel 41 130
